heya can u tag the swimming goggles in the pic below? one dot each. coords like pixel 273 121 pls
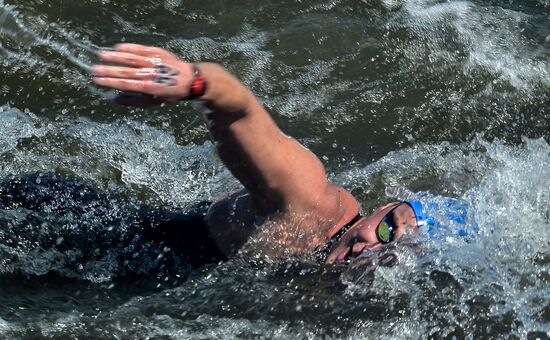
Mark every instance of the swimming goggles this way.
pixel 384 232
pixel 386 228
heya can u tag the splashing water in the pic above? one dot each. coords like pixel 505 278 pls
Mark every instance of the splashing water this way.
pixel 396 97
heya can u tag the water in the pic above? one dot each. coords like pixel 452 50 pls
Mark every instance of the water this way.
pixel 395 96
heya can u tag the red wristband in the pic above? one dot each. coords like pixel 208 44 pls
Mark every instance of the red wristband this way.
pixel 198 86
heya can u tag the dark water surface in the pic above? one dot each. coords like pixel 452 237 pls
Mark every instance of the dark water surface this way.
pixel 395 96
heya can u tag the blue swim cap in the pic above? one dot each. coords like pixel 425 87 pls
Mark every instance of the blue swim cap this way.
pixel 442 217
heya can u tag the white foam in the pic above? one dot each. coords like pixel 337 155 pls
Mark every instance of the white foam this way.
pixel 17 125
pixel 510 197
pixel 150 157
pixel 491 37
pixel 4 325
pixel 26 35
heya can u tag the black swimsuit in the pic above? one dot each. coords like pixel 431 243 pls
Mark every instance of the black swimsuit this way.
pixel 184 231
pixel 71 216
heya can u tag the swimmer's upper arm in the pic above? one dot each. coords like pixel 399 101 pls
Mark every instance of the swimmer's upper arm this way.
pixel 280 173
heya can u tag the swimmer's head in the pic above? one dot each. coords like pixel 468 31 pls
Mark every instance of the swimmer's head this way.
pixel 387 224
pixel 437 217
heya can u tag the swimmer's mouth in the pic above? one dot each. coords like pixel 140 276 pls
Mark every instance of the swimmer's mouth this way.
pixel 346 256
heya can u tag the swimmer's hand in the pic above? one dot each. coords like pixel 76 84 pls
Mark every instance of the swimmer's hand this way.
pixel 151 75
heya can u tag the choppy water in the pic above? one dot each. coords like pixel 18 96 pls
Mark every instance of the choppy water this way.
pixel 450 97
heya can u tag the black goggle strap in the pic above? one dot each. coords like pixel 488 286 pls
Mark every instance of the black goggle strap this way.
pixel 323 252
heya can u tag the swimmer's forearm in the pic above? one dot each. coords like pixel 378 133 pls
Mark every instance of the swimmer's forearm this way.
pixel 276 169
pixel 244 133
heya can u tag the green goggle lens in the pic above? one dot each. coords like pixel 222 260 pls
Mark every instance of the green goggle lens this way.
pixel 384 231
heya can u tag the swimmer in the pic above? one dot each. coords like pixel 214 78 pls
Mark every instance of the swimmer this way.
pixel 286 192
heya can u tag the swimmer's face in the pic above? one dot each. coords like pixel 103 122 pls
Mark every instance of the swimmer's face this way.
pixel 368 233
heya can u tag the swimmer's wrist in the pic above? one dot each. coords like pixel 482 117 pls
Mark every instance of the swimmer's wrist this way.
pixel 198 86
pixel 224 93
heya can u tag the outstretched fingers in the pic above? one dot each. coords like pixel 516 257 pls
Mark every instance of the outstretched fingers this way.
pixel 142 73
pixel 129 59
pixel 132 85
pixel 142 50
pixel 166 89
pixel 144 69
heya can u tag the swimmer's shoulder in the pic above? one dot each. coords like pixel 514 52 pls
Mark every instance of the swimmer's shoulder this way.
pixel 342 207
pixel 233 218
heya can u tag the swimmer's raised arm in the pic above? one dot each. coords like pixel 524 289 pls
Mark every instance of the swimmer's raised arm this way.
pixel 279 173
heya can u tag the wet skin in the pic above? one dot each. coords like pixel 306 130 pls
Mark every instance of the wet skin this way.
pixel 362 235
pixel 282 178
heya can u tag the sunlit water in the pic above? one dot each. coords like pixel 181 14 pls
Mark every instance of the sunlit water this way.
pixel 395 96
